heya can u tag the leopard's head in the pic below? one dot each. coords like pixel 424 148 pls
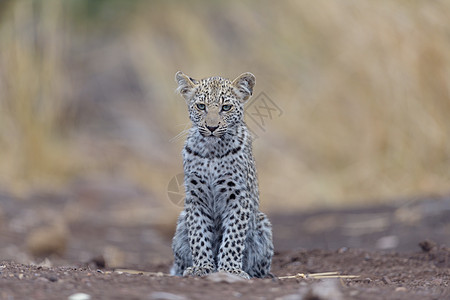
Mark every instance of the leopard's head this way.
pixel 215 104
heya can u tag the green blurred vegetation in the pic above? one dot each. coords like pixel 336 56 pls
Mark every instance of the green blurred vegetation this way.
pixel 87 90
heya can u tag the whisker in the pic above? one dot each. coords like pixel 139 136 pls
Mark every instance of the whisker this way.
pixel 182 134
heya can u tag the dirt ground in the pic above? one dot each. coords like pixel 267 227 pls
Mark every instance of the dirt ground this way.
pixel 58 246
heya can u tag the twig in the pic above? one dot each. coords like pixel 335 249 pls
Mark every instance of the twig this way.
pixel 324 275
pixel 129 271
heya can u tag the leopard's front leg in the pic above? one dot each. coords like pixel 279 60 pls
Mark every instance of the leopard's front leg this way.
pixel 200 225
pixel 235 227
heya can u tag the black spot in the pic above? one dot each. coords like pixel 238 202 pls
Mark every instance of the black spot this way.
pixel 221 181
pixel 232 196
pixel 195 153
pixel 194 182
pixel 231 183
pixel 223 190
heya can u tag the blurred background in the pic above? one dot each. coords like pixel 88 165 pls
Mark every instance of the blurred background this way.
pixel 351 104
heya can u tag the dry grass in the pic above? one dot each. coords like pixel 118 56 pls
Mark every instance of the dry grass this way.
pixel 364 87
pixel 34 152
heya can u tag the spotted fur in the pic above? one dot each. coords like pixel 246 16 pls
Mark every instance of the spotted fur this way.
pixel 221 227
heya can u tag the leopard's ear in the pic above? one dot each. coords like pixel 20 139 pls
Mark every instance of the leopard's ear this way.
pixel 186 85
pixel 244 84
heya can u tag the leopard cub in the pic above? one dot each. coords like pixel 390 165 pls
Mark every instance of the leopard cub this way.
pixel 221 227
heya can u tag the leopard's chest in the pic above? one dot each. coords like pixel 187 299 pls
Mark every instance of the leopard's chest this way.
pixel 213 168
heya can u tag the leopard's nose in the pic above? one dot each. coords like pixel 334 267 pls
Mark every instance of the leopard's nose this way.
pixel 212 128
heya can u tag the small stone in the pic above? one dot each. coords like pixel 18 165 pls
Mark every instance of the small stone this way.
pixel 386 280
pixel 99 261
pixel 290 297
pixel 79 296
pixel 224 277
pixel 367 280
pixel 387 242
pixel 400 289
pixel 427 245
pixel 43 279
pixel 342 250
pixel 166 296
pixel 46 263
pixel 47 240
pixel 328 289
pixel 437 281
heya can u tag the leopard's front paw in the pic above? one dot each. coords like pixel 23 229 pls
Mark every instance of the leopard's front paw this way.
pixel 198 271
pixel 238 272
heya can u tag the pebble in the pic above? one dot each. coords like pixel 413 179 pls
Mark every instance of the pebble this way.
pixel 400 289
pixel 342 250
pixel 165 296
pixel 224 277
pixel 386 280
pixel 328 289
pixel 427 245
pixel 43 279
pixel 387 242
pixel 290 297
pixel 79 296
pixel 367 280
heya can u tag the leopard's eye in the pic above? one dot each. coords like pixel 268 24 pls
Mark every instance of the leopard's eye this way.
pixel 201 106
pixel 226 107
